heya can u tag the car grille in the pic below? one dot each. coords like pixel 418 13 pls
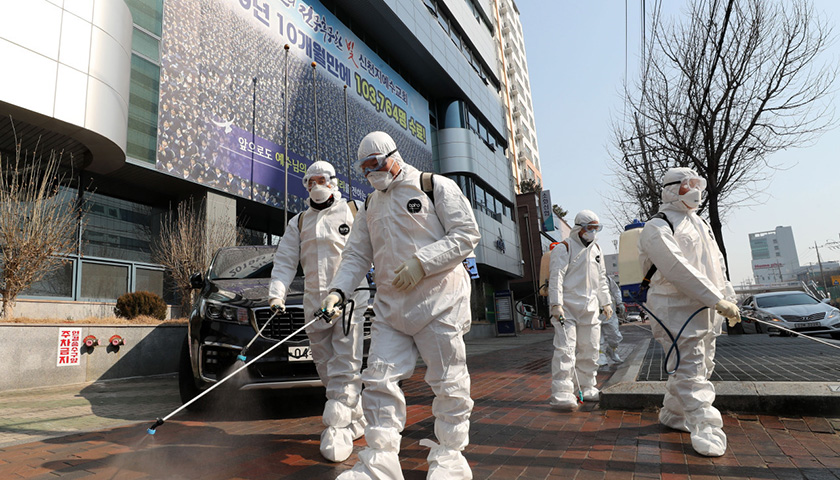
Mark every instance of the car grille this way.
pixel 282 325
pixel 807 318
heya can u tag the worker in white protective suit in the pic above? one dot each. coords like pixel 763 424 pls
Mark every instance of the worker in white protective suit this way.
pixel 417 240
pixel 690 274
pixel 315 238
pixel 610 334
pixel 577 292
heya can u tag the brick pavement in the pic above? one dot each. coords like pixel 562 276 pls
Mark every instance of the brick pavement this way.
pixel 514 435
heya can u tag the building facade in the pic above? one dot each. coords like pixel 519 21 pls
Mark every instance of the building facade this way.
pixel 774 257
pixel 228 102
pixel 523 153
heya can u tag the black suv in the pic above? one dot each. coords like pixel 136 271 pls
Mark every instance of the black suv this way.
pixel 232 306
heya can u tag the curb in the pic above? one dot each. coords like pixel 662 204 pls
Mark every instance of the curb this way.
pixel 622 391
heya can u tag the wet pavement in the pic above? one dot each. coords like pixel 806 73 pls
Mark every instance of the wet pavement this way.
pixel 514 433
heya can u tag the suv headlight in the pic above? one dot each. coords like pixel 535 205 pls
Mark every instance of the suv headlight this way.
pixel 226 313
pixel 833 313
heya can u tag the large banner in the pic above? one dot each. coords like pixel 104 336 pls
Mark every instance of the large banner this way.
pixel 221 119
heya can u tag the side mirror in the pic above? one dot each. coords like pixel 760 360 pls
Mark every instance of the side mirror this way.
pixel 197 280
pixel 825 300
pixel 747 307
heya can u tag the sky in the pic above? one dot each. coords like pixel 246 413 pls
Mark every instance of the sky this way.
pixel 576 61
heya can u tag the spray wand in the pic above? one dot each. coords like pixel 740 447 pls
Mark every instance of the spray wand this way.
pixel 319 315
pixel 241 356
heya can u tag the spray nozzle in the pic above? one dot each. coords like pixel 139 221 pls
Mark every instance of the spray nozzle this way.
pixel 151 430
pixel 580 397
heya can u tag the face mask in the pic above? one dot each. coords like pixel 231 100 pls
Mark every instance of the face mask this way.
pixel 380 180
pixel 588 236
pixel 692 199
pixel 320 193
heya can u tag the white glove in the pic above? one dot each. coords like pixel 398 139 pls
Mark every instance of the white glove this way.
pixel 557 311
pixel 329 303
pixel 277 304
pixel 729 310
pixel 608 311
pixel 408 274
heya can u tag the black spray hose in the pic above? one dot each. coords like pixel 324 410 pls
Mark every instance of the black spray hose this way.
pixel 674 348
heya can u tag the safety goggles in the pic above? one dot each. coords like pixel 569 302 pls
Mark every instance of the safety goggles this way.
pixel 374 162
pixel 591 227
pixel 687 184
pixel 313 180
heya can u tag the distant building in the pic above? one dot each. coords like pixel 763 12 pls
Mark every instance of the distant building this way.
pixel 516 95
pixel 774 258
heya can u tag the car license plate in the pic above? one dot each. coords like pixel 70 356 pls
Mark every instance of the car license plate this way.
pixel 300 353
pixel 808 325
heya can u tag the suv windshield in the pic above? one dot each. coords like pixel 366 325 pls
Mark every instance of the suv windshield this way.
pixel 784 300
pixel 242 262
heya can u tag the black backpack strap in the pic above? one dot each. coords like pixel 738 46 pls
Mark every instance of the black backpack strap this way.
pixel 646 281
pixel 367 200
pixel 300 220
pixel 354 208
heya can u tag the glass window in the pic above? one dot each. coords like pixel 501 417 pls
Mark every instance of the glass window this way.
pixel 143 109
pixel 443 23
pixel 147 280
pixel 453 34
pixel 58 283
pixel 472 122
pixel 430 4
pixel 147 14
pixel 146 45
pixel 480 200
pixel 117 228
pixel 102 281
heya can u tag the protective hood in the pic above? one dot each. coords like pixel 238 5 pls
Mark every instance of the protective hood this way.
pixel 671 186
pixel 378 142
pixel 584 217
pixel 326 169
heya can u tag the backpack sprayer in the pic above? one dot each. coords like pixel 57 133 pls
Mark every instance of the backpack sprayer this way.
pixel 319 315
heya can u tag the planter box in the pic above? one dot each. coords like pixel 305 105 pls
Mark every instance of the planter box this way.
pixel 31 354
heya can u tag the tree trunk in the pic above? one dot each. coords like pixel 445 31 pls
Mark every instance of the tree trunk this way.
pixel 714 221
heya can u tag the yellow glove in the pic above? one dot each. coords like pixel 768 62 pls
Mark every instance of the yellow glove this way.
pixel 608 311
pixel 557 311
pixel 729 310
pixel 408 274
pixel 277 304
pixel 329 303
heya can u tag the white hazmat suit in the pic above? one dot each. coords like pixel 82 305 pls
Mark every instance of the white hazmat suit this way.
pixel 400 227
pixel 576 284
pixel 690 275
pixel 610 333
pixel 317 246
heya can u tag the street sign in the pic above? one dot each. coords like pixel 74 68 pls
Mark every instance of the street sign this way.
pixel 547 211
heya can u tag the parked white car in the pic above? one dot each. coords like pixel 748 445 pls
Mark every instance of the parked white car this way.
pixel 793 310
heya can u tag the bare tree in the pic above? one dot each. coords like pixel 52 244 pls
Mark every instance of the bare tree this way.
pixel 39 220
pixel 721 91
pixel 187 243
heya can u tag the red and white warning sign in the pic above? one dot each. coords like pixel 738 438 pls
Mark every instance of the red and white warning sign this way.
pixel 69 342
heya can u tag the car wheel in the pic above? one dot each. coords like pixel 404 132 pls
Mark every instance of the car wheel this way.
pixel 186 381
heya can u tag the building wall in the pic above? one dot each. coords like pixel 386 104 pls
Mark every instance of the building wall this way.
pixel 74 64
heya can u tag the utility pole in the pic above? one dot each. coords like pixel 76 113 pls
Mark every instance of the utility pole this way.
pixel 822 274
